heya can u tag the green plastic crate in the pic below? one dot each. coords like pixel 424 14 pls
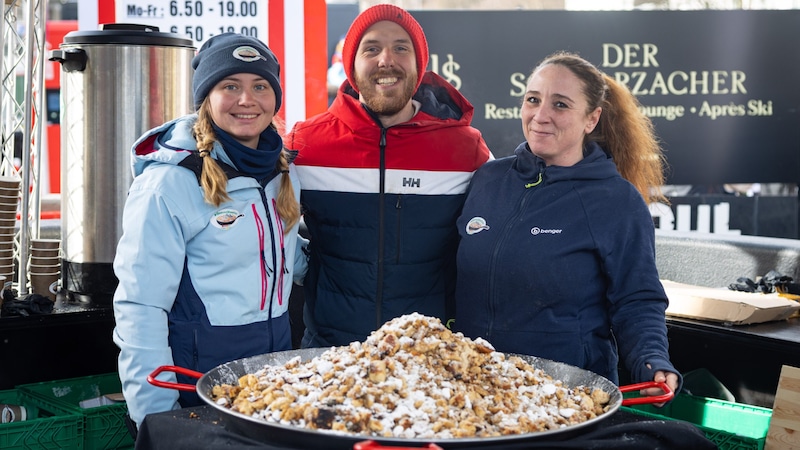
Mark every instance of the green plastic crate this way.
pixel 103 426
pixel 42 429
pixel 729 425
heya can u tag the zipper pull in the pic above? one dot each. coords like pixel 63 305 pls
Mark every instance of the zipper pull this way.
pixel 535 183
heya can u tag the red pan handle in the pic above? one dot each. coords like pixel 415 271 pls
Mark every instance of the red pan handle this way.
pixel 665 397
pixel 372 445
pixel 170 385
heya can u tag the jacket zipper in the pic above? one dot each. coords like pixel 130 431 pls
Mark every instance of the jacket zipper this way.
pixel 275 268
pixel 264 277
pixel 283 252
pixel 381 228
pixel 500 244
pixel 398 206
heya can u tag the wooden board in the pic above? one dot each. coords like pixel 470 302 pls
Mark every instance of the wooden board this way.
pixel 784 427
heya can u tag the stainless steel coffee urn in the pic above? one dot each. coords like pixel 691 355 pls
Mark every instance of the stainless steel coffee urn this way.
pixel 116 83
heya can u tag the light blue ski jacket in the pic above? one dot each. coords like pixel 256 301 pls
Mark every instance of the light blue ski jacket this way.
pixel 199 285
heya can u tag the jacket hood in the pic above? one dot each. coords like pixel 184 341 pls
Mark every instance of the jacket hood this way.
pixel 439 101
pixel 595 165
pixel 169 143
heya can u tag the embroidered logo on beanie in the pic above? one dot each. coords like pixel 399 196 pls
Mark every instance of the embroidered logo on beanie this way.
pixel 230 53
pixel 247 54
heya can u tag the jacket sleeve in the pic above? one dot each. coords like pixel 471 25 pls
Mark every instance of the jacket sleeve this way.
pixel 637 300
pixel 148 263
pixel 301 247
pixel 300 260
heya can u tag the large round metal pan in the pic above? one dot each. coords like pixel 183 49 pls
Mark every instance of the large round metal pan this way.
pixel 299 437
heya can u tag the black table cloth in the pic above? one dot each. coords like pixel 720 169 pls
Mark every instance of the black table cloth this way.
pixel 205 427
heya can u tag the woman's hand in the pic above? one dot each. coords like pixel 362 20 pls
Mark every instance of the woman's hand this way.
pixel 671 379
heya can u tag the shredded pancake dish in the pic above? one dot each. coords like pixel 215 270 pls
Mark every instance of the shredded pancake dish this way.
pixel 412 378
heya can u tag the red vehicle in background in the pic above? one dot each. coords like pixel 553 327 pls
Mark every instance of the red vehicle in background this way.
pixel 55 31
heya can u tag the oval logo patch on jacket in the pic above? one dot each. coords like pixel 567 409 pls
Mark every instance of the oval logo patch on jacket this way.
pixel 225 218
pixel 476 225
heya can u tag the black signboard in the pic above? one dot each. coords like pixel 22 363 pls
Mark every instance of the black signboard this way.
pixel 722 87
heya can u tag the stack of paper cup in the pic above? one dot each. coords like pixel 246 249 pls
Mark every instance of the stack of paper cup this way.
pixel 45 267
pixel 9 203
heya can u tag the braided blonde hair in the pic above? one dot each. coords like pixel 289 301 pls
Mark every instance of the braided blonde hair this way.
pixel 214 181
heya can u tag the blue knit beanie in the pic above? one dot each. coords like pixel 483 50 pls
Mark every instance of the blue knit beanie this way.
pixel 231 53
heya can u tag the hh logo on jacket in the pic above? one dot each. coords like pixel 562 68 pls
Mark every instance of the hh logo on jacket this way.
pixel 411 182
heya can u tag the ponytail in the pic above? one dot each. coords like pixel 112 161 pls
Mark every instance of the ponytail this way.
pixel 629 136
pixel 288 208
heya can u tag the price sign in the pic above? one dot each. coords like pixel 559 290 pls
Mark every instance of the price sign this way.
pixel 198 19
pixel 295 31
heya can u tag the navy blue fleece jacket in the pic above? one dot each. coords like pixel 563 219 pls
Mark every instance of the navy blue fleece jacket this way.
pixel 559 262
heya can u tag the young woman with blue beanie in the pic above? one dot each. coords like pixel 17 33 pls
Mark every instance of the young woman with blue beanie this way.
pixel 209 248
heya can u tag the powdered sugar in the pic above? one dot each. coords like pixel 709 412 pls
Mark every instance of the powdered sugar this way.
pixel 412 378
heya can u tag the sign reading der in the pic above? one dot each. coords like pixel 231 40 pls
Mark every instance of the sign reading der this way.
pixel 719 86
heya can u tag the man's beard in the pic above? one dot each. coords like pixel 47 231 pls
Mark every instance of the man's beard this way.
pixel 379 102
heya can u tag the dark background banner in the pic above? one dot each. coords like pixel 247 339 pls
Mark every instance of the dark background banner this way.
pixel 720 86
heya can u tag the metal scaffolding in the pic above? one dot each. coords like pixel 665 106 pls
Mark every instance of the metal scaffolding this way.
pixel 22 119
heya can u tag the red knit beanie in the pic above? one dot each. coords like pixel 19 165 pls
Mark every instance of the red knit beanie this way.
pixel 373 15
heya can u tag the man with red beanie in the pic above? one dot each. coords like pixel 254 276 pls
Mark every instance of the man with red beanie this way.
pixel 383 178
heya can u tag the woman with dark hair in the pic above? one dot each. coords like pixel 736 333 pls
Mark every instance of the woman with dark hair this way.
pixel 557 250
